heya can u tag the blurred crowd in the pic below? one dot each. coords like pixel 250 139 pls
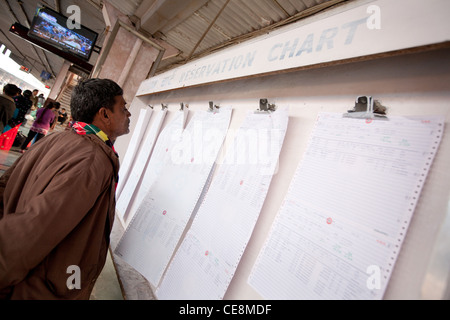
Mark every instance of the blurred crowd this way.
pixel 17 108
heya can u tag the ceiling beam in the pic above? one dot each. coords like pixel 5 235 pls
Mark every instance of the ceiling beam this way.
pixel 96 5
pixel 207 30
pixel 10 11
pixel 27 21
pixel 12 14
pixel 58 6
pixel 164 15
pixel 281 8
pixel 18 52
pixel 300 15
pixel 151 8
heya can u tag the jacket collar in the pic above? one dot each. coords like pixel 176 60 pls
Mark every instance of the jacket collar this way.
pixel 7 97
pixel 83 128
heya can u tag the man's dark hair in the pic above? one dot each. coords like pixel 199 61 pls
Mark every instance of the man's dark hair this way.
pixel 27 94
pixel 11 90
pixel 89 96
pixel 54 104
pixel 49 106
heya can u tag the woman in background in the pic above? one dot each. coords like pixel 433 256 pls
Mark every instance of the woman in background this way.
pixel 45 118
pixel 23 105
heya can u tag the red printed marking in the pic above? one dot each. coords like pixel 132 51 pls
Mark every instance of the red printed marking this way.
pixel 329 221
pixel 242 182
pixel 369 121
pixel 164 212
pixel 207 253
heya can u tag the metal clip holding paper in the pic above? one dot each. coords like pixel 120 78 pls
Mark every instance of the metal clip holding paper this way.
pixel 182 106
pixel 364 109
pixel 213 108
pixel 265 107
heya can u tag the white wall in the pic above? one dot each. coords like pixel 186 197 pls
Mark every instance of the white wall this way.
pixel 410 84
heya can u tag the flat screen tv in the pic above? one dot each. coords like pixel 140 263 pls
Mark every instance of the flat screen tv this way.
pixel 52 28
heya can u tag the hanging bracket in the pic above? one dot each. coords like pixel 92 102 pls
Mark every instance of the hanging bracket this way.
pixel 266 107
pixel 367 108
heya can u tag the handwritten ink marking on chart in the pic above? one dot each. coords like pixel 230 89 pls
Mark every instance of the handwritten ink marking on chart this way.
pixel 349 256
pixel 164 212
pixel 329 221
pixel 369 121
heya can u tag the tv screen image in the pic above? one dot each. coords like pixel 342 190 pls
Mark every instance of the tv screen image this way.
pixel 51 27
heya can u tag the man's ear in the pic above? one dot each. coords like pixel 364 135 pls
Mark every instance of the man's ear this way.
pixel 104 115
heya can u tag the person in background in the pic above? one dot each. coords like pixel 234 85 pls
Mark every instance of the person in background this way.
pixel 69 123
pixel 7 104
pixel 45 118
pixel 56 111
pixel 19 93
pixel 41 101
pixel 62 116
pixel 57 201
pixel 23 105
pixel 34 98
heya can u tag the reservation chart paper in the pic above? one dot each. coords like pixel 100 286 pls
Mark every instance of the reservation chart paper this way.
pixel 154 232
pixel 205 263
pixel 140 163
pixel 136 140
pixel 341 226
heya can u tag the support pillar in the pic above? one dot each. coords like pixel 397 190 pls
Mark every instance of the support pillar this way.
pixel 60 81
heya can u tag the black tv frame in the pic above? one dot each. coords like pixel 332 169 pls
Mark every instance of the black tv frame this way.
pixel 22 32
pixel 62 21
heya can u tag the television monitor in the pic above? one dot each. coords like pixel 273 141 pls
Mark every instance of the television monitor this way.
pixel 52 28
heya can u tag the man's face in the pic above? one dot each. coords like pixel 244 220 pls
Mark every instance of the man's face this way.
pixel 120 119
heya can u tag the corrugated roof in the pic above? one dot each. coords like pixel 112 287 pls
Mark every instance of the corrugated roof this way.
pixel 238 18
pixel 194 27
pixel 127 7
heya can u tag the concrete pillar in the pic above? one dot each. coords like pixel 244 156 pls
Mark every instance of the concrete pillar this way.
pixel 126 59
pixel 60 80
pixel 130 61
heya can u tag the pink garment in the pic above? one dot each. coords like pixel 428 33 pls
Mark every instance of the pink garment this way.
pixel 47 117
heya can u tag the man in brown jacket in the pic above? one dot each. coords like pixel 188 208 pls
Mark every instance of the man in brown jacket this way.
pixel 57 202
pixel 7 104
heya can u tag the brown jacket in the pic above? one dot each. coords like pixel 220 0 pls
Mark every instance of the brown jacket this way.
pixel 7 108
pixel 57 205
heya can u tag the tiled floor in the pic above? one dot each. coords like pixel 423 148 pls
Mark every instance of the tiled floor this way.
pixel 107 286
pixel 7 158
